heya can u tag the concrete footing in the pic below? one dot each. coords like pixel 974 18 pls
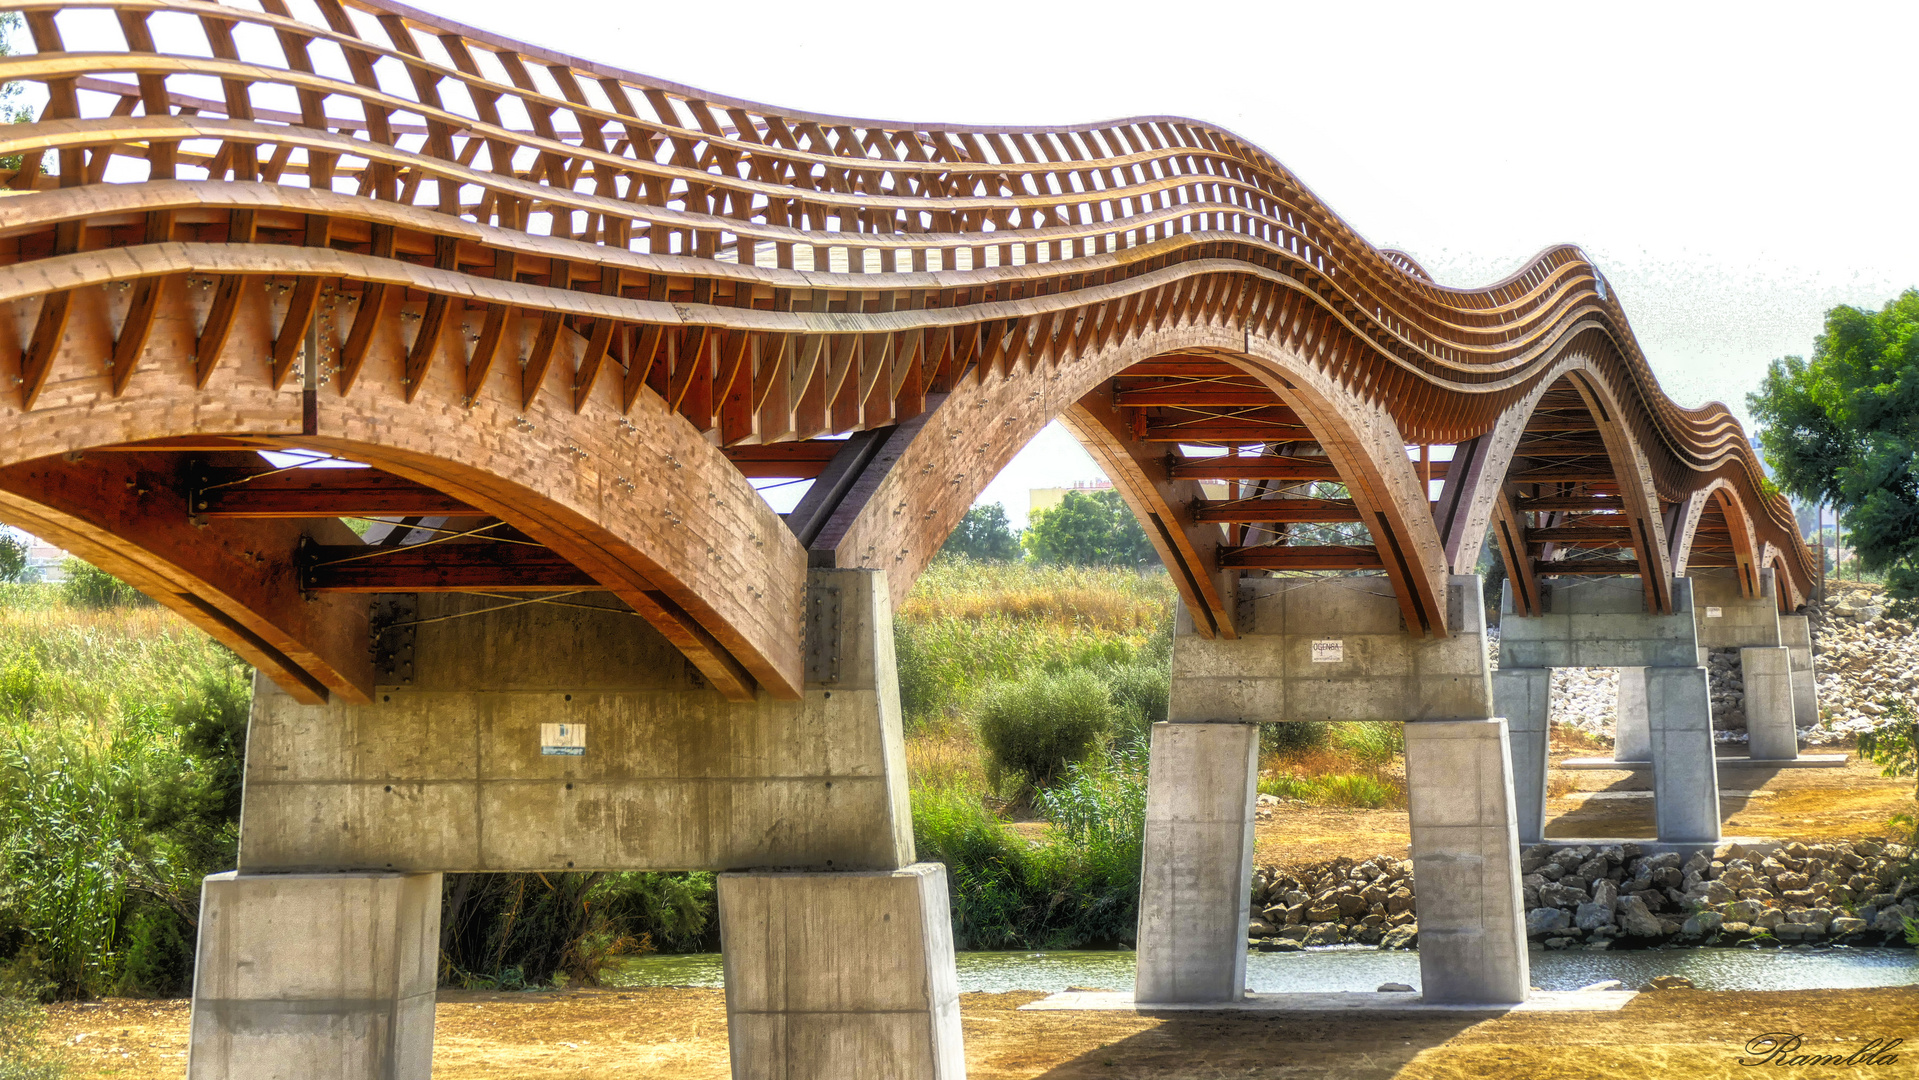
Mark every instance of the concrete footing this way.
pixel 1465 847
pixel 1196 875
pixel 1685 778
pixel 304 975
pixel 841 975
pixel 1523 696
pixel 1767 674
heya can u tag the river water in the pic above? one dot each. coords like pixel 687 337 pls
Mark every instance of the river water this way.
pixel 1362 968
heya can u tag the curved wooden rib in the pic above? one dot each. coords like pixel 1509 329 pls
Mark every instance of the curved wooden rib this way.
pixel 649 274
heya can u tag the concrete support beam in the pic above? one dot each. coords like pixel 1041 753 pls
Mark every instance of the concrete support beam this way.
pixel 1523 698
pixel 1465 847
pixel 1685 778
pixel 841 975
pixel 302 975
pixel 1600 623
pixel 1632 732
pixel 1795 632
pixel 1318 649
pixel 1769 714
pixel 448 769
pixel 1196 876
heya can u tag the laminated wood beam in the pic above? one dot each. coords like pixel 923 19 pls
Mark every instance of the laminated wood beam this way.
pixel 450 567
pixel 1285 557
pixel 319 493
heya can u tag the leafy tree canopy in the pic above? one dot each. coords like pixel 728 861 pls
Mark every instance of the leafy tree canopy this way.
pixel 1088 529
pixel 984 534
pixel 1844 428
pixel 13 558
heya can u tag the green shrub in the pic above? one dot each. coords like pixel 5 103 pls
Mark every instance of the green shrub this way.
pixel 1140 693
pixel 1293 737
pixel 158 958
pixel 1076 888
pixel 1034 728
pixel 1373 742
pixel 13 558
pixel 88 586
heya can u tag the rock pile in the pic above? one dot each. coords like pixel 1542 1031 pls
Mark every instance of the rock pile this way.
pixel 1856 893
pixel 1341 902
pixel 1862 655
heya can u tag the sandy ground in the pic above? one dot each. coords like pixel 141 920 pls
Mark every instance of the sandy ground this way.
pixel 602 1034
pixel 1799 804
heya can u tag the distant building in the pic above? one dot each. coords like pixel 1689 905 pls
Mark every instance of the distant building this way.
pixel 1038 499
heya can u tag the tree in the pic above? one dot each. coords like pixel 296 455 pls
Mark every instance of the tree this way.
pixel 1844 429
pixel 13 558
pixel 1088 529
pixel 984 534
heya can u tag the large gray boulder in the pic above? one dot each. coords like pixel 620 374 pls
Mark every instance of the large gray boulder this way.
pixel 1541 921
pixel 1635 919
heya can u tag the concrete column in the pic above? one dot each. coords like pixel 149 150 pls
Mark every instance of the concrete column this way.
pixel 1769 716
pixel 1685 778
pixel 1632 736
pixel 1795 632
pixel 303 975
pixel 1196 876
pixel 1465 845
pixel 841 975
pixel 1523 698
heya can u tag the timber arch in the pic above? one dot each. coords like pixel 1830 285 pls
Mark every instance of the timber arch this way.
pixel 532 309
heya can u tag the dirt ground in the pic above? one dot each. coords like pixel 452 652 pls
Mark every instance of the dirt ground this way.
pixel 1796 804
pixel 603 1034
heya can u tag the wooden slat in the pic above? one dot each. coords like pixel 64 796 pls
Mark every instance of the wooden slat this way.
pixel 321 492
pixel 1302 557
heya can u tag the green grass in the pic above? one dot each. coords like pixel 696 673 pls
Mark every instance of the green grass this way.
pixel 1356 791
pixel 968 625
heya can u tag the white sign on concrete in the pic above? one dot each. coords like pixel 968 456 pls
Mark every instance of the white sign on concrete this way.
pixel 1329 652
pixel 565 740
pixel 1714 613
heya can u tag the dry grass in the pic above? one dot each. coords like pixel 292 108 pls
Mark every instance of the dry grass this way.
pixel 945 756
pixel 1091 600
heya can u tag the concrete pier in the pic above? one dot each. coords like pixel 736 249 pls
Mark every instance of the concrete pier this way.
pixel 1196 875
pixel 1632 732
pixel 1337 650
pixel 841 975
pixel 1465 848
pixel 1523 697
pixel 1795 633
pixel 544 738
pixel 1664 708
pixel 1685 779
pixel 1767 675
pixel 304 975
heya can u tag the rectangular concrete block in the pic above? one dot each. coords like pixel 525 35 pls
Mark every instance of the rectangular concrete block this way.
pixel 1632 732
pixel 1767 674
pixel 449 773
pixel 841 975
pixel 1196 874
pixel 1465 848
pixel 1523 698
pixel 1685 776
pixel 311 975
pixel 1375 670
pixel 1727 618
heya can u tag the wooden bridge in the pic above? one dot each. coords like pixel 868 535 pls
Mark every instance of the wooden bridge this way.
pixel 564 314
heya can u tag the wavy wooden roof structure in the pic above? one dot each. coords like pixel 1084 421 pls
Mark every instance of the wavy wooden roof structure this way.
pixel 566 313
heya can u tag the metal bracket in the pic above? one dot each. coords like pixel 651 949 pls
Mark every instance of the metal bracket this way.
pixel 390 628
pixel 823 634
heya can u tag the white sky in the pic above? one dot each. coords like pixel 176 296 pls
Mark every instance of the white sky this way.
pixel 1735 169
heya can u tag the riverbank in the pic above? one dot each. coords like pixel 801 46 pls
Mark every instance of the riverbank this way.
pixel 604 1034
